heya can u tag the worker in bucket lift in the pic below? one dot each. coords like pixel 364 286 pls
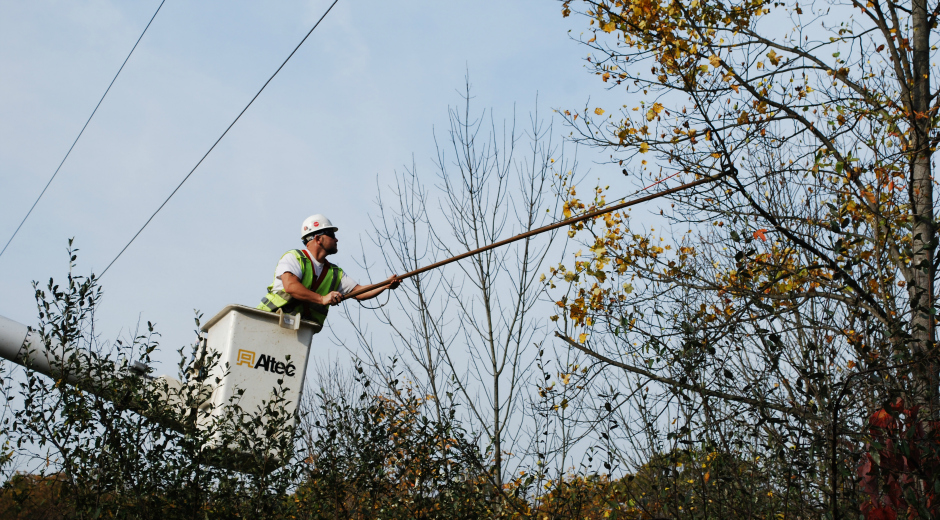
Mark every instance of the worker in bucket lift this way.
pixel 305 282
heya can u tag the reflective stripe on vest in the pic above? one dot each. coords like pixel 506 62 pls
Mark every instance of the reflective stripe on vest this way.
pixel 329 281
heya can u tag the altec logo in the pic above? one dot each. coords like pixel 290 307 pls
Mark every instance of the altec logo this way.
pixel 266 362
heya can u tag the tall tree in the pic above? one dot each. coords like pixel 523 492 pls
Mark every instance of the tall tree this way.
pixel 463 330
pixel 796 293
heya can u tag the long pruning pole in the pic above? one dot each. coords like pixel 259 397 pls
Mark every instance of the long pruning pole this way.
pixel 556 225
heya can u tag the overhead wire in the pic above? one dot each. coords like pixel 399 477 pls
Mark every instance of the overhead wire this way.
pixel 82 130
pixel 178 186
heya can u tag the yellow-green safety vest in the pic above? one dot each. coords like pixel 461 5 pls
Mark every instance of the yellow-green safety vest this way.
pixel 330 277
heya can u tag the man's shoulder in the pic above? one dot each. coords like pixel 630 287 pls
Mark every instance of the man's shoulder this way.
pixel 291 259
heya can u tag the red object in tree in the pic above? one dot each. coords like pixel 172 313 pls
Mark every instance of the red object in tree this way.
pixel 901 470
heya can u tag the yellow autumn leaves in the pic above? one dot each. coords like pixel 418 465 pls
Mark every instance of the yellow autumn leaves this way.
pixel 654 111
pixel 774 59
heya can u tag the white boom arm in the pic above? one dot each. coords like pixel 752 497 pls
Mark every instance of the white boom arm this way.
pixel 26 348
pixel 23 347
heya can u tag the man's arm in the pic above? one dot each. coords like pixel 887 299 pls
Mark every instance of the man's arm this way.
pixel 297 290
pixel 377 291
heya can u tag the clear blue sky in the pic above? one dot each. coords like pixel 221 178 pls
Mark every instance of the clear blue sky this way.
pixel 358 100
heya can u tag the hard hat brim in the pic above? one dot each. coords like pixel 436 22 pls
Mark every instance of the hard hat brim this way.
pixel 321 230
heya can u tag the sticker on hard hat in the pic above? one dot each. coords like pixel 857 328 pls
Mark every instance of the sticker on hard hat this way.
pixel 316 224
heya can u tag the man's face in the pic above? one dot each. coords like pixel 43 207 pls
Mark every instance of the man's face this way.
pixel 328 242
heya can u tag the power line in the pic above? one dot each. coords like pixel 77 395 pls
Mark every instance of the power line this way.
pixel 83 129
pixel 219 139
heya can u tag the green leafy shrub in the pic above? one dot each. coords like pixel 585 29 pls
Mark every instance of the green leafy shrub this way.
pixel 379 456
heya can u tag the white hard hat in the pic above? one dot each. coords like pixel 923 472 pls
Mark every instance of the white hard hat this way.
pixel 315 223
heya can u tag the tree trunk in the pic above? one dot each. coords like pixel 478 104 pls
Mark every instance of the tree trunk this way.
pixel 921 194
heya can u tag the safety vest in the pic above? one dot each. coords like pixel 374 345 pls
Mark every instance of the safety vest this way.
pixel 330 277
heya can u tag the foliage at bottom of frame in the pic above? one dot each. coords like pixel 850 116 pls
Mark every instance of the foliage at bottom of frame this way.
pixel 360 453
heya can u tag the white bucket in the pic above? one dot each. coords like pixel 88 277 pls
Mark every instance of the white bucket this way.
pixel 259 352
